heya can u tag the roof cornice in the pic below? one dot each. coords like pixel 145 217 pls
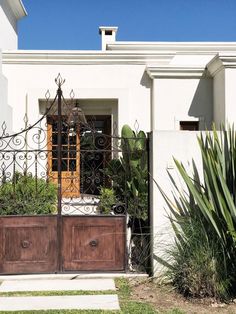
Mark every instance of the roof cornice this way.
pixel 221 61
pixel 196 47
pixel 173 71
pixel 83 57
pixel 17 8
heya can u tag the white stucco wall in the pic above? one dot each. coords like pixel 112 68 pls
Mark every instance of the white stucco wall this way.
pixel 219 98
pixel 164 146
pixel 223 70
pixel 8 27
pixel 10 12
pixel 176 99
pixel 230 95
pixel 191 59
pixel 157 96
pixel 6 112
pixel 29 82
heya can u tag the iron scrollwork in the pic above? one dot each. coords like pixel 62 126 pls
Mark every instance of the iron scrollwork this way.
pixel 84 157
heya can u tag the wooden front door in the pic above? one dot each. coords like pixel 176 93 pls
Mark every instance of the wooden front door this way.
pixel 70 165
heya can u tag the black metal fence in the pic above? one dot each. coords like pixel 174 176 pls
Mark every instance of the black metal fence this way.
pixel 69 165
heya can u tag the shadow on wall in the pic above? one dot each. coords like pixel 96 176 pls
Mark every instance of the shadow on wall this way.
pixel 146 81
pixel 202 104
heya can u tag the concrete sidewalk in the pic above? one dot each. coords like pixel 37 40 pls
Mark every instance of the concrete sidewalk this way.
pixel 73 276
pixel 76 302
pixel 80 302
pixel 58 285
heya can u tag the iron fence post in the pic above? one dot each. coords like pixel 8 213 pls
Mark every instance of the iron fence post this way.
pixel 59 190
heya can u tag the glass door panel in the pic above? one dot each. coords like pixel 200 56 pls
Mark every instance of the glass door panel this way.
pixel 70 164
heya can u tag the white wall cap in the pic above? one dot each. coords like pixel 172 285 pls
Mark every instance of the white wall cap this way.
pixel 174 71
pixel 108 28
pixel 221 61
pixel 17 8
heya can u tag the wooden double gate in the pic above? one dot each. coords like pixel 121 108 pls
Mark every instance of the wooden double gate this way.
pixel 32 244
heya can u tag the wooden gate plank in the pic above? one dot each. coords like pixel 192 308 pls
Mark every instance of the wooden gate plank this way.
pixel 94 243
pixel 28 244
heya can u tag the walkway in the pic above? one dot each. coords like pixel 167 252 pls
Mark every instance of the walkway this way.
pixel 96 301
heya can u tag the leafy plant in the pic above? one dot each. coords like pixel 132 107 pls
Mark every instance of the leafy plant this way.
pixel 107 199
pixel 129 176
pixel 27 195
pixel 135 165
pixel 129 173
pixel 204 221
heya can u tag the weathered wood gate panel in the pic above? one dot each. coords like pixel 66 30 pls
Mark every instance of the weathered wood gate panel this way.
pixel 28 244
pixel 94 243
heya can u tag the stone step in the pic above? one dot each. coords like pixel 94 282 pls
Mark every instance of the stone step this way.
pixel 80 302
pixel 58 285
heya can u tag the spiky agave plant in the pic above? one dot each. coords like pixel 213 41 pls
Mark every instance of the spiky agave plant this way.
pixel 204 220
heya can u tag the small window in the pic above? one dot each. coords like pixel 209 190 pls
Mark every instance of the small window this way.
pixel 189 125
pixel 107 32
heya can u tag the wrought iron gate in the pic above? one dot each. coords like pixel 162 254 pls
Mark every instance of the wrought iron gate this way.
pixel 65 193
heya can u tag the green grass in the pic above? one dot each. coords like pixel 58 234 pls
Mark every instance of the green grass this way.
pixel 63 312
pixel 127 305
pixel 53 293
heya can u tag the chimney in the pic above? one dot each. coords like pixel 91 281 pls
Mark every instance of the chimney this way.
pixel 108 34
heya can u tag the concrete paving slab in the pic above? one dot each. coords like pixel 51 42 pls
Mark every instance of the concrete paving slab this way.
pixel 71 276
pixel 81 302
pixel 58 285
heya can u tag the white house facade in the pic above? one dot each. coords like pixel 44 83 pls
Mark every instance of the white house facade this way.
pixel 170 89
pixel 10 13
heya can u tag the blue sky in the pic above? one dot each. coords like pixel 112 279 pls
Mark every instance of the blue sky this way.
pixel 73 24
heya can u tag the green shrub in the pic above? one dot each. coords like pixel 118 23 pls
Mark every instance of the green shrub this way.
pixel 129 173
pixel 204 221
pixel 27 195
pixel 129 177
pixel 107 199
pixel 197 269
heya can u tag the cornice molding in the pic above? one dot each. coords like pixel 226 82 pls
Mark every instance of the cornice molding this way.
pixel 195 47
pixel 176 72
pixel 17 8
pixel 220 62
pixel 83 57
